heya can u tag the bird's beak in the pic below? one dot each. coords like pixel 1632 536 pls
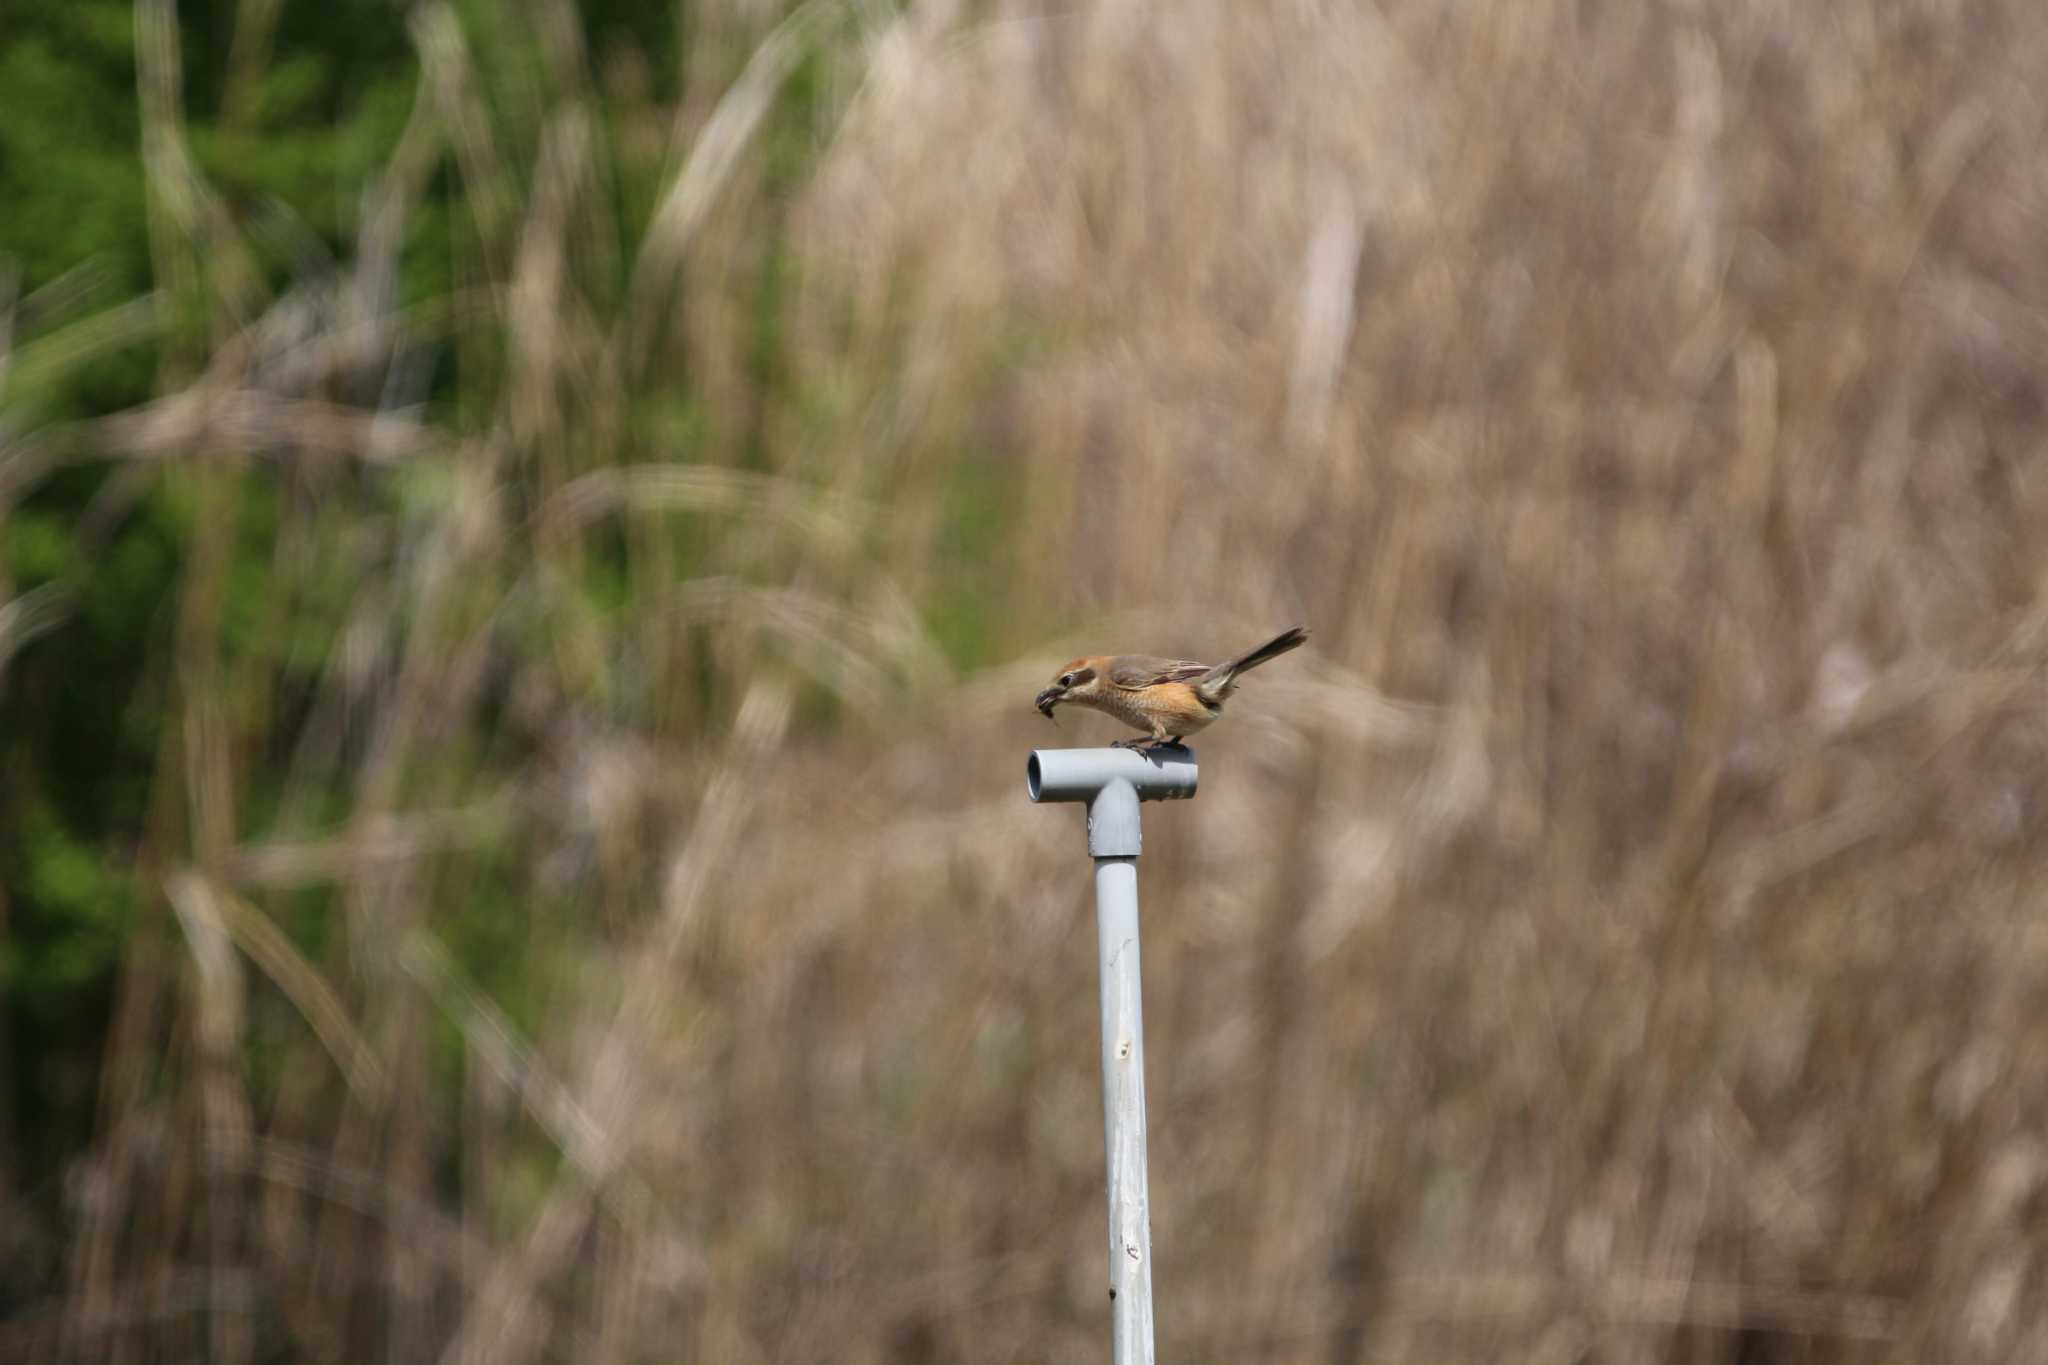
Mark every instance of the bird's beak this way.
pixel 1051 697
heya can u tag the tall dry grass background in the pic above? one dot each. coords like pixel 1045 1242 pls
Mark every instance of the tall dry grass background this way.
pixel 1620 938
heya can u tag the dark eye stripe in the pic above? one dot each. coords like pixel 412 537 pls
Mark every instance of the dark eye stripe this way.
pixel 1076 679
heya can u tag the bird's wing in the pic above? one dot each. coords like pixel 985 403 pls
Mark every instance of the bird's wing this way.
pixel 1133 671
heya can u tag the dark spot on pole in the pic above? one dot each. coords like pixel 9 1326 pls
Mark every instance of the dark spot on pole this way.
pixel 1112 1295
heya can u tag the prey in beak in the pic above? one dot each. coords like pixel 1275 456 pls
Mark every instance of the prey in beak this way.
pixel 1075 685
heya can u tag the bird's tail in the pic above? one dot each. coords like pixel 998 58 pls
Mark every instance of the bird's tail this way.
pixel 1223 675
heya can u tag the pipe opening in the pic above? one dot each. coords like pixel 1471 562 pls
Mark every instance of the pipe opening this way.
pixel 1031 776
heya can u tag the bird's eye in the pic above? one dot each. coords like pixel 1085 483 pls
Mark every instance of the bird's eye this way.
pixel 1066 680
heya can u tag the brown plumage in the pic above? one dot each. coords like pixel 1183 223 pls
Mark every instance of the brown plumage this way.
pixel 1169 699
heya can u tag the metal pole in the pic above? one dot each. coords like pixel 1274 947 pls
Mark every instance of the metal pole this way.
pixel 1113 782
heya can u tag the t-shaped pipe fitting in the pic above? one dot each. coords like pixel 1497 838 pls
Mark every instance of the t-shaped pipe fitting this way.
pixel 1112 782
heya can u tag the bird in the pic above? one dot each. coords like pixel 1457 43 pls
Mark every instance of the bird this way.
pixel 1169 699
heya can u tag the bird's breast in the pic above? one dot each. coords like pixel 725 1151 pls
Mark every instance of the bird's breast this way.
pixel 1176 706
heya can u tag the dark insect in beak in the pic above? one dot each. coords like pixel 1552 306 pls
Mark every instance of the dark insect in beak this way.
pixel 1048 699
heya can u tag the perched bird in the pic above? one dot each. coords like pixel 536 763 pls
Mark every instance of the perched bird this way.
pixel 1168 699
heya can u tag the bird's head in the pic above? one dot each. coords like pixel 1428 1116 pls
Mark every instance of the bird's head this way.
pixel 1080 681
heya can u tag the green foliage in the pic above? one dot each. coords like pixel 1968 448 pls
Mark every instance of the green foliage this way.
pixel 76 907
pixel 69 174
pixel 39 546
pixel 974 529
pixel 251 618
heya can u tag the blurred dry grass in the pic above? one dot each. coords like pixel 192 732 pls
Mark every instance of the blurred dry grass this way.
pixel 1619 940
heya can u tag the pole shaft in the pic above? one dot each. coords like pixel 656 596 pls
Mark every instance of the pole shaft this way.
pixel 1123 1109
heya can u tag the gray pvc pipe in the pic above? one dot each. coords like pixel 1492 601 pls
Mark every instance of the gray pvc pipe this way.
pixel 1112 782
pixel 1108 780
pixel 1123 1110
